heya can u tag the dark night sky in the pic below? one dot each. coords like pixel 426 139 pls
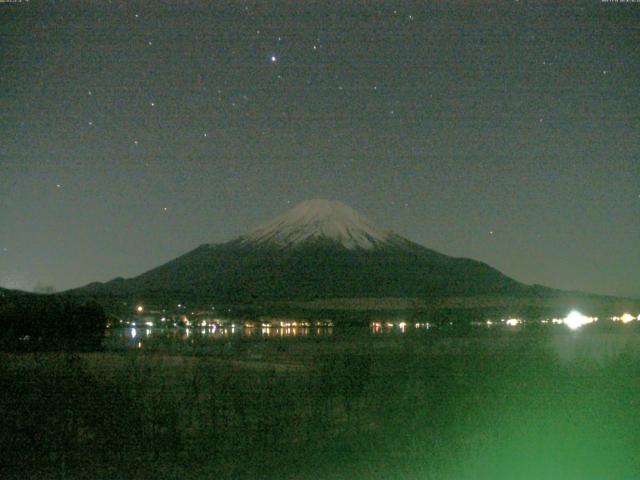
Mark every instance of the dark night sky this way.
pixel 508 132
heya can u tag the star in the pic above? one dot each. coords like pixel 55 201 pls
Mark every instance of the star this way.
pixel 204 134
pixel 135 142
pixel 90 92
pixel 149 43
pixel 58 185
pixel 152 104
pixel 274 59
pixel 90 123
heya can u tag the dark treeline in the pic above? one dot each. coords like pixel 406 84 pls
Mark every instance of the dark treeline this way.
pixel 46 322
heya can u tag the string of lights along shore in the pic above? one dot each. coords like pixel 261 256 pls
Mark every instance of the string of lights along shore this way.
pixel 506 132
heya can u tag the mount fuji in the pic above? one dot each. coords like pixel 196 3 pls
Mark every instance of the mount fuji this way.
pixel 318 220
pixel 318 250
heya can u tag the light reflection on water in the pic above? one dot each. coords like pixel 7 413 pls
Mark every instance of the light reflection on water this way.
pixel 278 329
pixel 130 335
pixel 136 335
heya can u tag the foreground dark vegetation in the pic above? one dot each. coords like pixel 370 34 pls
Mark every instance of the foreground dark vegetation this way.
pixel 30 322
pixel 548 404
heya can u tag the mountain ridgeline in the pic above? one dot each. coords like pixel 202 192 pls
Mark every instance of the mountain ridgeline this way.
pixel 318 250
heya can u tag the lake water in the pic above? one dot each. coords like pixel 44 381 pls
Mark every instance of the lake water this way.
pixel 603 337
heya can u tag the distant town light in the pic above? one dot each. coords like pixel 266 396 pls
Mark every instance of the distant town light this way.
pixel 576 320
pixel 140 309
pixel 512 322
pixel 626 318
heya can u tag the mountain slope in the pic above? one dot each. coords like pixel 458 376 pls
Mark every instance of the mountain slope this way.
pixel 319 249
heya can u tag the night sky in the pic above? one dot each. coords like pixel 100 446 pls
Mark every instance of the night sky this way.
pixel 508 132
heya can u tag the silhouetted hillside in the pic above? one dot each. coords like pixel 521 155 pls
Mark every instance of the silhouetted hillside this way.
pixel 30 321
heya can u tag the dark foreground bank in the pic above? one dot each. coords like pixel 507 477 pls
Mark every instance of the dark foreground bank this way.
pixel 530 406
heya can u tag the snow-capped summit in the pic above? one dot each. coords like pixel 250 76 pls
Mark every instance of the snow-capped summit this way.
pixel 319 219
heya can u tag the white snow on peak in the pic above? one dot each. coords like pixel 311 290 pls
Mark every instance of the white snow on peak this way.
pixel 319 219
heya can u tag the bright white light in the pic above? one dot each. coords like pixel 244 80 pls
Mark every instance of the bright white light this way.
pixel 133 333
pixel 626 318
pixel 140 309
pixel 149 324
pixel 576 320
pixel 512 322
